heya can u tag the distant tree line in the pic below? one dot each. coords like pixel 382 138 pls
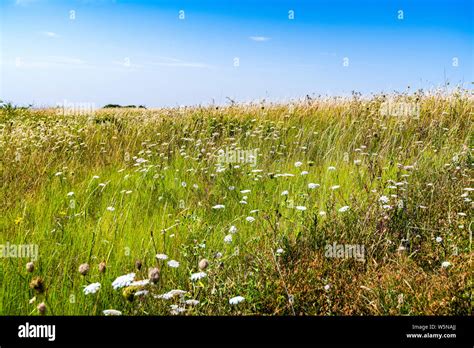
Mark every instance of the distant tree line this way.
pixel 111 106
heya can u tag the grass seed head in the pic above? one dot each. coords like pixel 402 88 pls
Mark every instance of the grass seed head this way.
pixel 203 264
pixel 41 308
pixel 37 284
pixel 154 274
pixel 30 267
pixel 84 269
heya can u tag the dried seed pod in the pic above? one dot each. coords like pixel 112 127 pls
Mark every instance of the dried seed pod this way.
pixel 37 284
pixel 41 308
pixel 30 267
pixel 203 264
pixel 84 269
pixel 102 267
pixel 154 274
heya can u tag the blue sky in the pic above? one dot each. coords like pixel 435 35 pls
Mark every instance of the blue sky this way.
pixel 142 52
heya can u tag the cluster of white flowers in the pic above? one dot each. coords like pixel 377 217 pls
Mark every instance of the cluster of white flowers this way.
pixel 123 281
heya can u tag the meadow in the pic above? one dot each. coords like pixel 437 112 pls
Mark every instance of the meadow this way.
pixel 326 206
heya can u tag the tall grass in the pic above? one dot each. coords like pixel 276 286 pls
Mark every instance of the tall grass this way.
pixel 421 163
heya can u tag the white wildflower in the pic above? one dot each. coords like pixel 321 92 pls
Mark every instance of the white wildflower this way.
pixel 173 263
pixel 236 300
pixel 91 288
pixel 123 281
pixel 198 276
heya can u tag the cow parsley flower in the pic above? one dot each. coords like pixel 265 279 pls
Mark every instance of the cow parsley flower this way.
pixel 335 187
pixel 91 288
pixel 250 218
pixel 123 281
pixel 173 263
pixel 300 208
pixel 140 282
pixel 445 264
pixel 284 193
pixel 108 312
pixel 218 206
pixel 313 185
pixel 110 208
pixel 298 164
pixel 236 300
pixel 198 276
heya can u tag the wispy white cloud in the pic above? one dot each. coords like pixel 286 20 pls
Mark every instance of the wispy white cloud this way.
pixel 126 63
pixel 177 63
pixel 259 38
pixel 48 62
pixel 50 34
pixel 24 2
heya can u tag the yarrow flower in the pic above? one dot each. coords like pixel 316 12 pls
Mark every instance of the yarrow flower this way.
pixel 236 300
pixel 279 251
pixel 123 281
pixel 250 218
pixel 313 186
pixel 218 206
pixel 140 282
pixel 439 239
pixel 384 199
pixel 192 302
pixel 161 256
pixel 335 187
pixel 445 264
pixel 91 288
pixel 232 229
pixel 173 263
pixel 298 164
pixel 344 209
pixel 300 208
pixel 110 208
pixel 228 239
pixel 108 312
pixel 175 309
pixel 284 193
pixel 198 276
pixel 170 294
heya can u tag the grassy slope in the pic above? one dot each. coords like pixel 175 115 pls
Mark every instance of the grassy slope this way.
pixel 160 215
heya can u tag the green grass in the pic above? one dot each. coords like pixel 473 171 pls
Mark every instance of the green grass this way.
pixel 159 215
